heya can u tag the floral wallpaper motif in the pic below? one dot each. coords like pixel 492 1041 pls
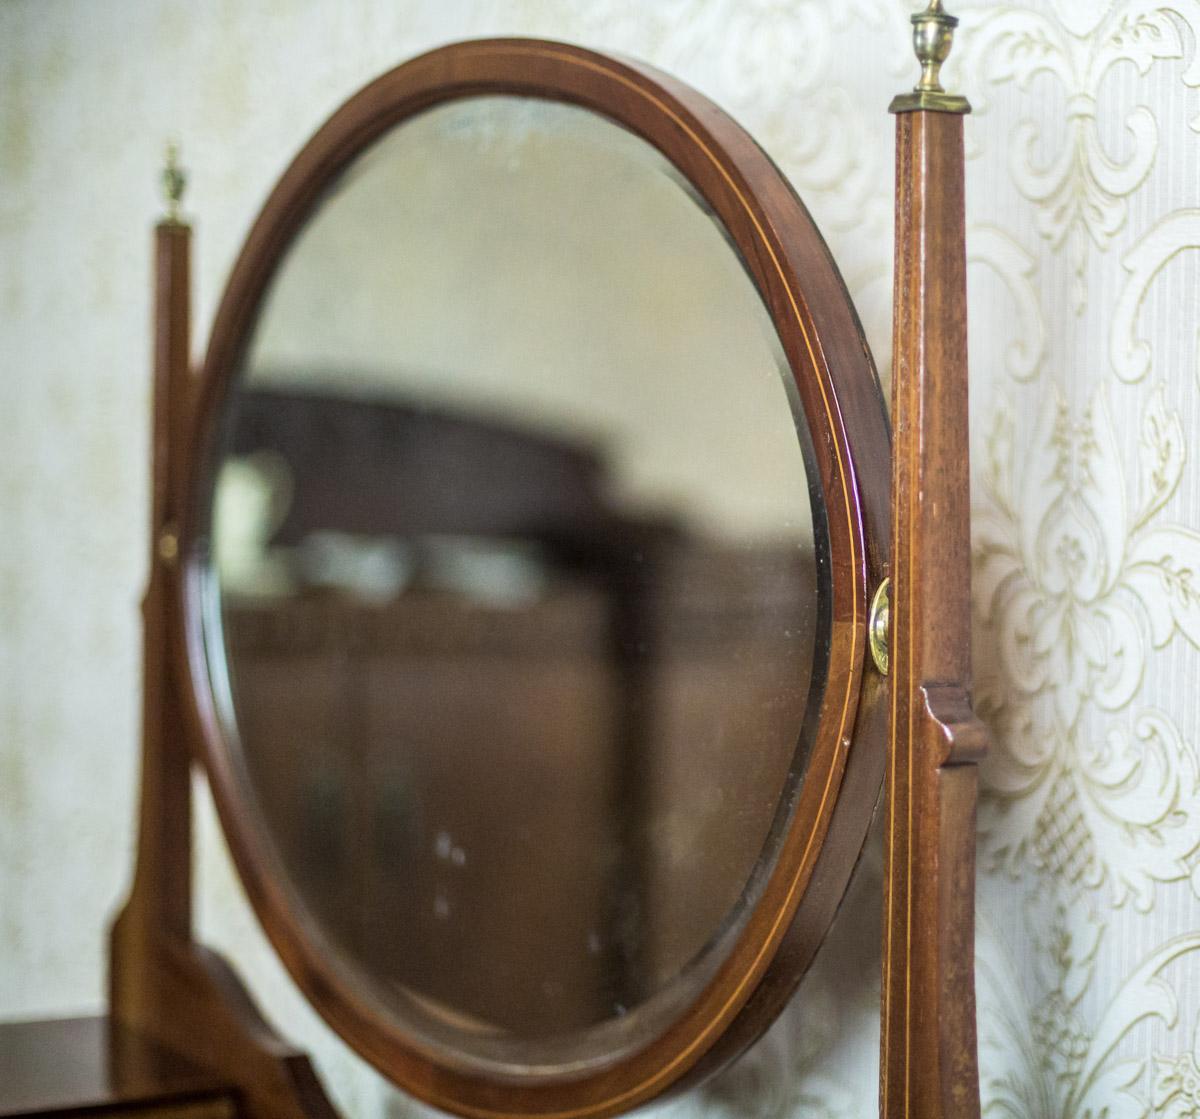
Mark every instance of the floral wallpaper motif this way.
pixel 1087 560
pixel 1075 580
pixel 1078 184
pixel 1043 1054
pixel 1177 1083
pixel 1083 209
pixel 1174 236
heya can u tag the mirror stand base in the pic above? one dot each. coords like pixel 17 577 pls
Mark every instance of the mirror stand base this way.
pixel 190 1001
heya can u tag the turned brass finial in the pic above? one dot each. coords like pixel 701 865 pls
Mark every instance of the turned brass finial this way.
pixel 933 36
pixel 174 182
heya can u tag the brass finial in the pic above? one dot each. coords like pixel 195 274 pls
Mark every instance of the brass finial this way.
pixel 174 182
pixel 933 36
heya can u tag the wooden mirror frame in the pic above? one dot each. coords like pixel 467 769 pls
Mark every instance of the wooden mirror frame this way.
pixel 166 986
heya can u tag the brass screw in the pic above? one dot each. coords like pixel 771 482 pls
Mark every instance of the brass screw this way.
pixel 878 625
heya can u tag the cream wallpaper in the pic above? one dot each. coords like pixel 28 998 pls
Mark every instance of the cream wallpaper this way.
pixel 1083 210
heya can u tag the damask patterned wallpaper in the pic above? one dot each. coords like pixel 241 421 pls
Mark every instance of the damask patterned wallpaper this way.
pixel 1084 211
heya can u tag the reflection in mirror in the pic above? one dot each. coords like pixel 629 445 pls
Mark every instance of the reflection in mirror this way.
pixel 519 590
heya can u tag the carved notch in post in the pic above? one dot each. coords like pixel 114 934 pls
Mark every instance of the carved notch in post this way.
pixel 929 1063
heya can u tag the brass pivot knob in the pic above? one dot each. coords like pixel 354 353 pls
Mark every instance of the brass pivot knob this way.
pixel 168 545
pixel 878 625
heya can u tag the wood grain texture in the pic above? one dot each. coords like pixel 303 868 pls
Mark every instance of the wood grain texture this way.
pixel 162 985
pixel 837 389
pixel 929 1061
pixel 89 1066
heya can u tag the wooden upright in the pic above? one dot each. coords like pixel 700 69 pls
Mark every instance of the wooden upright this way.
pixel 163 986
pixel 929 1064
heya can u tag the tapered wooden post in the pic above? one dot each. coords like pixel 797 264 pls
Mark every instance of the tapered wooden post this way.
pixel 160 902
pixel 162 984
pixel 929 1064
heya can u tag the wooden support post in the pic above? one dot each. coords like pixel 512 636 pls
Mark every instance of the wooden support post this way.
pixel 163 985
pixel 929 1063
pixel 160 902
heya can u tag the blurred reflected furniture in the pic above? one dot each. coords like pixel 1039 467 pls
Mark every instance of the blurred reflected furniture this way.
pixel 614 674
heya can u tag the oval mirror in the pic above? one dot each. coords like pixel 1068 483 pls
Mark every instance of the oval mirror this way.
pixel 529 555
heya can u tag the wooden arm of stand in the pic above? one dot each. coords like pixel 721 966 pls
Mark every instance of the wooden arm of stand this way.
pixel 929 1063
pixel 163 986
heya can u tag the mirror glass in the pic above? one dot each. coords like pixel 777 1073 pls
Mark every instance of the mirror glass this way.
pixel 516 590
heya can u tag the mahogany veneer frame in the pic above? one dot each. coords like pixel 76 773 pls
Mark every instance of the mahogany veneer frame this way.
pixel 170 988
pixel 929 1058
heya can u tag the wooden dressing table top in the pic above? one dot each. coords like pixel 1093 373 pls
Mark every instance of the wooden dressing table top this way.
pixel 81 1066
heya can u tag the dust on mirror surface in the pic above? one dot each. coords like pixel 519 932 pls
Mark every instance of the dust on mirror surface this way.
pixel 517 599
